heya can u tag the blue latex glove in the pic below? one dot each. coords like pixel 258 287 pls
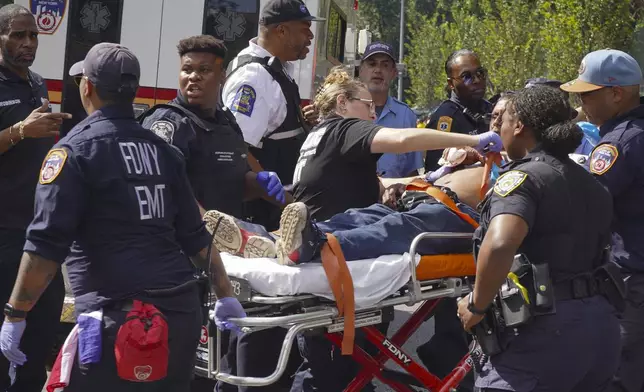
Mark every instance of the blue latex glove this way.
pixel 271 183
pixel 435 175
pixel 10 336
pixel 226 308
pixel 489 142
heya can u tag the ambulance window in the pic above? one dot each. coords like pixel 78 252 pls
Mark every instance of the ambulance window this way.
pixel 233 21
pixel 336 33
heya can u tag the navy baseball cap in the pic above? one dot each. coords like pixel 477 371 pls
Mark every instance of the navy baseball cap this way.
pixel 280 11
pixel 105 65
pixel 379 47
pixel 605 68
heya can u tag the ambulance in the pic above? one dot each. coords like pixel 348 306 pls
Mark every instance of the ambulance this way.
pixel 152 29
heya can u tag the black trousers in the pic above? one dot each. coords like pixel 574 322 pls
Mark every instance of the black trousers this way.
pixel 255 355
pixel 184 330
pixel 42 322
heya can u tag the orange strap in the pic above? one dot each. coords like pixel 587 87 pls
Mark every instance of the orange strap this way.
pixel 339 277
pixel 420 185
pixel 490 160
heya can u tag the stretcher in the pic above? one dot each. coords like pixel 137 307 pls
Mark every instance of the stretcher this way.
pixel 416 280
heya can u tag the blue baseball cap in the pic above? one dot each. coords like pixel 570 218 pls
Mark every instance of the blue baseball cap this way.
pixel 605 68
pixel 379 47
pixel 106 64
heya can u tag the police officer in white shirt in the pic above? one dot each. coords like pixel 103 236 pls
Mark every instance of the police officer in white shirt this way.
pixel 261 93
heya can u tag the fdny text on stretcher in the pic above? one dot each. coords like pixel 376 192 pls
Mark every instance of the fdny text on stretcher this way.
pixel 396 351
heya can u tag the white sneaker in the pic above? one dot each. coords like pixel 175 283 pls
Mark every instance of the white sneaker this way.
pixel 232 239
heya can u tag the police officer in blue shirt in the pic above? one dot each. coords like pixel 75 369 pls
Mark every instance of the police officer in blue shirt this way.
pixel 377 70
pixel 27 131
pixel 465 111
pixel 207 134
pixel 118 195
pixel 609 85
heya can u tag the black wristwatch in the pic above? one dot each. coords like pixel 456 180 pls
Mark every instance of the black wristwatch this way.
pixel 12 312
pixel 472 309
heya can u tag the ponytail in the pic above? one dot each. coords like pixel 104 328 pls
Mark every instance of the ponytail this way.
pixel 561 139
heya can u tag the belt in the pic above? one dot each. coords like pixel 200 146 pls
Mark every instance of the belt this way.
pixel 286 134
pixel 576 288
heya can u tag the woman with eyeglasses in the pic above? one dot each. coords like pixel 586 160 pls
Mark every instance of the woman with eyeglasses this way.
pixel 337 165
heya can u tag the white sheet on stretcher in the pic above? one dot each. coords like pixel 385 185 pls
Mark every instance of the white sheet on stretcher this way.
pixel 373 279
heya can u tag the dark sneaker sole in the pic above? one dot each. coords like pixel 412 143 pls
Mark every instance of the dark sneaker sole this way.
pixel 292 223
pixel 231 239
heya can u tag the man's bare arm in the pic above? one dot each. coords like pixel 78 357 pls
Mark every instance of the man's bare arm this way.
pixel 218 277
pixel 34 276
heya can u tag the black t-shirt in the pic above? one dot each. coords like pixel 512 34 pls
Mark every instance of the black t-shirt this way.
pixel 336 169
pixel 20 165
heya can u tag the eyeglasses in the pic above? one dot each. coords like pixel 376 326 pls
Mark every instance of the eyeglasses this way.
pixel 77 79
pixel 468 77
pixel 369 102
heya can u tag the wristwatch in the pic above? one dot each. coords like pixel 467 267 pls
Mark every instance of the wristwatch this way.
pixel 472 309
pixel 10 311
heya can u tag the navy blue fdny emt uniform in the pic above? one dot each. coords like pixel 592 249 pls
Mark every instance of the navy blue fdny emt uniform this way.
pixel 118 195
pixel 19 168
pixel 576 347
pixel 213 147
pixel 618 163
pixel 453 115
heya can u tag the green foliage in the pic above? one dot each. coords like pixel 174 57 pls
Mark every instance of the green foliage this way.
pixel 516 39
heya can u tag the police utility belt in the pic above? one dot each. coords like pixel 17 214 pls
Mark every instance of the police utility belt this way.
pixel 529 292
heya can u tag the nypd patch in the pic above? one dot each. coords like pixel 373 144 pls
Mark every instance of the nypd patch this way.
pixel 508 182
pixel 164 130
pixel 603 158
pixel 444 124
pixel 53 165
pixel 244 101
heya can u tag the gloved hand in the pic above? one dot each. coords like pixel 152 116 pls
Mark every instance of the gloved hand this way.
pixel 10 336
pixel 226 308
pixel 489 142
pixel 436 174
pixel 272 185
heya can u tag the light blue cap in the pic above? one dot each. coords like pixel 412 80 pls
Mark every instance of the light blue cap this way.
pixel 605 68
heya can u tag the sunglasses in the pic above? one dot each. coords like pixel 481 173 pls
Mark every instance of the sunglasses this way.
pixel 468 77
pixel 77 79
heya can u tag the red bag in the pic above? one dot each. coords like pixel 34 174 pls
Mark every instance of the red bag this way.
pixel 141 347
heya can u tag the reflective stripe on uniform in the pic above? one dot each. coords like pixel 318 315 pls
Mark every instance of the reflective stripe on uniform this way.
pixel 287 134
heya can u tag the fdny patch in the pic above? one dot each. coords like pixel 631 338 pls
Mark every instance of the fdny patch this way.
pixel 444 124
pixel 244 101
pixel 53 165
pixel 509 182
pixel 164 130
pixel 603 158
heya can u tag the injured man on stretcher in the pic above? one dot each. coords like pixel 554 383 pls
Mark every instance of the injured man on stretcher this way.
pixel 371 232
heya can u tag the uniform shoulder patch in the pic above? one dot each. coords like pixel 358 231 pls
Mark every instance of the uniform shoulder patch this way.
pixel 244 100
pixel 602 158
pixel 444 124
pixel 508 182
pixel 53 165
pixel 164 130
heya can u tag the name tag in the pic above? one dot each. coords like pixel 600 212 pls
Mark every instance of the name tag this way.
pixel 10 102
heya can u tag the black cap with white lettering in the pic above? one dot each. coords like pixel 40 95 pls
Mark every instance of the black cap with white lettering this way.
pixel 110 66
pixel 280 11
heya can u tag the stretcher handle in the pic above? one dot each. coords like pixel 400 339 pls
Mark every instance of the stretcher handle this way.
pixel 415 289
pixel 283 321
pixel 281 362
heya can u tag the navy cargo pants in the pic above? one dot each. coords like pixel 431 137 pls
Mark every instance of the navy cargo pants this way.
pixel 42 322
pixel 630 376
pixel 575 350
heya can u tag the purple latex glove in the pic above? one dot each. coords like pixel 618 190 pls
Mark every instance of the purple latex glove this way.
pixel 226 308
pixel 489 142
pixel 431 177
pixel 10 336
pixel 271 183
